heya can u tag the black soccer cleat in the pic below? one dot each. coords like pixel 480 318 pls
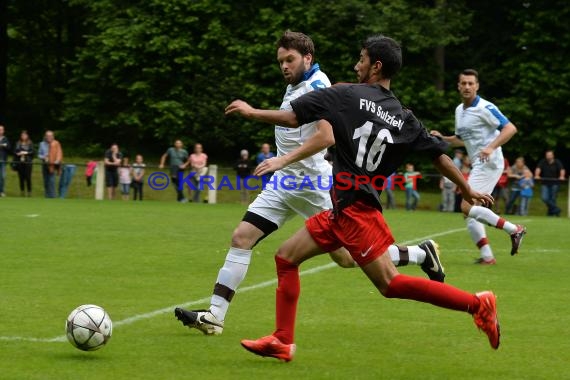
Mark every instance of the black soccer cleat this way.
pixel 432 265
pixel 202 320
pixel 516 239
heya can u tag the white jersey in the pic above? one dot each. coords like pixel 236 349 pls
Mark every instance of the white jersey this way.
pixel 478 125
pixel 289 139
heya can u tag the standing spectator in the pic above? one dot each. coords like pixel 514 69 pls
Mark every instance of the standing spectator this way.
pixel 43 156
pixel 90 168
pixel 264 154
pixel 526 184
pixel 550 172
pixel 4 149
pixel 54 160
pixel 412 195
pixel 67 173
pixel 243 168
pixel 198 162
pixel 389 190
pixel 113 157
pixel 177 156
pixel 516 172
pixel 125 178
pixel 24 155
pixel 448 189
pixel 458 155
pixel 501 190
pixel 138 175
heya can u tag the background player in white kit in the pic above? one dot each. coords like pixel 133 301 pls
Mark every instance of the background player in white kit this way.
pixel 274 206
pixel 482 129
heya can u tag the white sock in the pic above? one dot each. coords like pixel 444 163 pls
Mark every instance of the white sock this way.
pixel 406 254
pixel 485 215
pixel 479 237
pixel 230 276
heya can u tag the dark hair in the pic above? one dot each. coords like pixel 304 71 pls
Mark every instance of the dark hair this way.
pixel 297 41
pixel 470 72
pixel 386 50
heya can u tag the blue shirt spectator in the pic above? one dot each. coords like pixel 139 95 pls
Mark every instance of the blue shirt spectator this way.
pixel 264 154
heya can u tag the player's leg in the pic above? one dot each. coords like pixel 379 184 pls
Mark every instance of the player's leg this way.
pixel 265 215
pixel 426 254
pixel 291 254
pixel 483 179
pixel 391 284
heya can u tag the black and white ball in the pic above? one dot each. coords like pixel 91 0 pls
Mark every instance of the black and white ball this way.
pixel 88 327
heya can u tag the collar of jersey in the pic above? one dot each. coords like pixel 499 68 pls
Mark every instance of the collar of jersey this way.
pixel 311 71
pixel 475 101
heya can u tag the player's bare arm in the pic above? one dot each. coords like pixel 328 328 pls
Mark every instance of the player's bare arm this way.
pixel 275 117
pixel 454 141
pixel 322 139
pixel 508 131
pixel 445 166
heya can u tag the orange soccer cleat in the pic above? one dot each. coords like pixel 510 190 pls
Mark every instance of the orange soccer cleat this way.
pixel 486 317
pixel 270 346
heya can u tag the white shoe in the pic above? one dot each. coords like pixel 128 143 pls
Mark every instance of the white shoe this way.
pixel 202 320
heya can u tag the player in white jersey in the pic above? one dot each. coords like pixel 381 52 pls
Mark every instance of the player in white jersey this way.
pixel 482 129
pixel 276 204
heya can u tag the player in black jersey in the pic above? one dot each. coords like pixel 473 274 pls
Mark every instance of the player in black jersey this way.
pixel 373 135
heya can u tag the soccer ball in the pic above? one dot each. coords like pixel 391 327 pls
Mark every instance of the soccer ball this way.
pixel 88 327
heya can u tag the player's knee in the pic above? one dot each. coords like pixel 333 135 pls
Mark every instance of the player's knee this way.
pixel 242 240
pixel 285 254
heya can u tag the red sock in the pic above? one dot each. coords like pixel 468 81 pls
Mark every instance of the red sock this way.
pixel 500 223
pixel 286 297
pixel 436 293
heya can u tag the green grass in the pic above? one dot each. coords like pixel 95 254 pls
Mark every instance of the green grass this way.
pixel 134 258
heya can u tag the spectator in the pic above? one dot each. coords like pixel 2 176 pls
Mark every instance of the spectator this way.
pixel 125 178
pixel 389 190
pixel 90 168
pixel 243 168
pixel 501 190
pixel 4 149
pixel 264 154
pixel 448 189
pixel 67 173
pixel 177 156
pixel 412 195
pixel 113 157
pixel 526 184
pixel 458 155
pixel 24 155
pixel 54 161
pixel 43 156
pixel 550 172
pixel 138 175
pixel 198 162
pixel 516 172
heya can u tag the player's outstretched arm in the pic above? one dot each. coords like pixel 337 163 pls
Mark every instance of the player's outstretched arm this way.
pixel 322 139
pixel 452 140
pixel 445 166
pixel 278 117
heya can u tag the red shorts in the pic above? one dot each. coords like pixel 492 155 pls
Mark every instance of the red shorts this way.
pixel 360 228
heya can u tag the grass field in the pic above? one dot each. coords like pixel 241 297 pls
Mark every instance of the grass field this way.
pixel 139 260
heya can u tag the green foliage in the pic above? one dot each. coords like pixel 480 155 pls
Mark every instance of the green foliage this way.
pixel 143 73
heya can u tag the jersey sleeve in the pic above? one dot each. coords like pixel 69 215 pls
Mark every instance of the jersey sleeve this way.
pixel 493 116
pixel 317 105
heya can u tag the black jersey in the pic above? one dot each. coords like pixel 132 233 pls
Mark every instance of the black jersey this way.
pixel 373 135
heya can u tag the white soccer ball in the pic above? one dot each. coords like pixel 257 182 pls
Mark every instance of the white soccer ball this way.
pixel 88 327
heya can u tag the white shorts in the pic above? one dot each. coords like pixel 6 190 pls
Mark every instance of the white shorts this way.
pixel 484 177
pixel 280 205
